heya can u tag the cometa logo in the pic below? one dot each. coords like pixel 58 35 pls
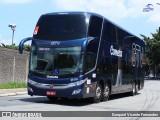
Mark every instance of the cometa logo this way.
pixel 48 76
pixel 115 52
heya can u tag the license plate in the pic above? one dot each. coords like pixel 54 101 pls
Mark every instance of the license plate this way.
pixel 51 93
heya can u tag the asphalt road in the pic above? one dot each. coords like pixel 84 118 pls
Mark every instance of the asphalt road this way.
pixel 148 99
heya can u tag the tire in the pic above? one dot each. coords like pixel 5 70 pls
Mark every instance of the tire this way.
pixel 139 85
pixel 52 98
pixel 98 95
pixel 134 89
pixel 136 86
pixel 106 92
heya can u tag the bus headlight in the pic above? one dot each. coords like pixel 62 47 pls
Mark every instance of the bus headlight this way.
pixel 30 89
pixel 32 82
pixel 77 83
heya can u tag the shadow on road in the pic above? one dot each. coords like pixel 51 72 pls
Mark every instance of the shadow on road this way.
pixel 119 96
pixel 60 101
pixel 69 102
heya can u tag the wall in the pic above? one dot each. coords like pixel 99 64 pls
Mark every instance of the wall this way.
pixel 13 66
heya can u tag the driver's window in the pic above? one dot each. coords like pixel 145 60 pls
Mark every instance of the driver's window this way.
pixel 90 60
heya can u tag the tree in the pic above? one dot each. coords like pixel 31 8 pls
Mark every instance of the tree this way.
pixel 152 51
pixel 27 47
pixel 16 47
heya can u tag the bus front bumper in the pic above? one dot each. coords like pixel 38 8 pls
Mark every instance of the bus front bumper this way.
pixel 73 90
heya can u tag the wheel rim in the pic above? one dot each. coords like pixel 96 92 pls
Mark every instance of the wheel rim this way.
pixel 98 92
pixel 106 91
pixel 133 88
pixel 136 89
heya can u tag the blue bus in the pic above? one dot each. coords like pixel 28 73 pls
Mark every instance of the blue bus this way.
pixel 83 55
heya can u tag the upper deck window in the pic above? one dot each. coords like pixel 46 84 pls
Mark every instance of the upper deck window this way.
pixel 61 27
pixel 95 26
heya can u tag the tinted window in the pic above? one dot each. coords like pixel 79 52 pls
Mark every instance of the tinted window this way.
pixel 61 27
pixel 109 32
pixel 120 36
pixel 95 26
pixel 89 62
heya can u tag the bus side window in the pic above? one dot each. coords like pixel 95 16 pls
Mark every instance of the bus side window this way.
pixel 95 26
pixel 106 35
pixel 109 32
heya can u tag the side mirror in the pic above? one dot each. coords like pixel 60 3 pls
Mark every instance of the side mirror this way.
pixel 21 44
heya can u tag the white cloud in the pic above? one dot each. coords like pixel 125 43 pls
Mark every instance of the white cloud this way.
pixel 17 1
pixel 112 9
pixel 154 16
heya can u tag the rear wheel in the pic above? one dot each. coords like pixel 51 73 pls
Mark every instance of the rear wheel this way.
pixel 134 89
pixel 106 92
pixel 98 95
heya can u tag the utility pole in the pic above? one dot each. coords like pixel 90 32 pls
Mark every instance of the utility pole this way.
pixel 159 31
pixel 13 27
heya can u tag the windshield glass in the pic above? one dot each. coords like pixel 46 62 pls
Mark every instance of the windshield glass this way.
pixel 61 27
pixel 56 61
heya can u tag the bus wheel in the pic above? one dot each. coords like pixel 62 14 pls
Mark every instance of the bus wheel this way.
pixel 106 93
pixel 52 98
pixel 134 89
pixel 98 96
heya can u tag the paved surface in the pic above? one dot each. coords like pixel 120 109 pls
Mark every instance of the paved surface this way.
pixel 12 92
pixel 148 99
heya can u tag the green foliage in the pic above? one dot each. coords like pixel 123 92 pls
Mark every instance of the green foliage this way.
pixel 153 48
pixel 27 47
pixel 16 47
pixel 11 85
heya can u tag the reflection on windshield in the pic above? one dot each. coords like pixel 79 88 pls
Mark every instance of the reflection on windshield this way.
pixel 56 61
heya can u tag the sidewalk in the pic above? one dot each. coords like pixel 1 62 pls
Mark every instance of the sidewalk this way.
pixel 12 92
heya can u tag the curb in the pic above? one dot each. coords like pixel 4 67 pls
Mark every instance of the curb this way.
pixel 13 94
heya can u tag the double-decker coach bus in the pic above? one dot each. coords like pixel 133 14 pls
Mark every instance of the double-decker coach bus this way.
pixel 83 55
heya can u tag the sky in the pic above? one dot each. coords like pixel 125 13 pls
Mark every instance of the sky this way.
pixel 128 14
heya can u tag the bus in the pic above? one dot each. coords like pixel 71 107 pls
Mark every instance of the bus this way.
pixel 83 55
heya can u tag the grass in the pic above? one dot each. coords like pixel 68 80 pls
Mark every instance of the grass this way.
pixel 12 85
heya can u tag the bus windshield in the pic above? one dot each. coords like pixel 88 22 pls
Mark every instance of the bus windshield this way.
pixel 56 61
pixel 61 27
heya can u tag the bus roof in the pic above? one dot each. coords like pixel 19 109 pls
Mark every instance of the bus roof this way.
pixel 91 13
